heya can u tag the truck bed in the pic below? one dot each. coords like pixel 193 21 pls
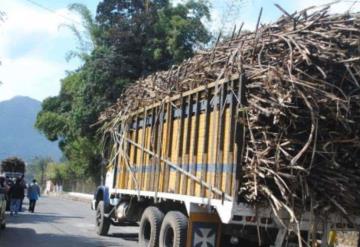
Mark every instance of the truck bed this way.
pixel 184 145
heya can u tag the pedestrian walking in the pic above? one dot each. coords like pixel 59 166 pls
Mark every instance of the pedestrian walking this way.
pixel 23 184
pixel 16 193
pixel 33 193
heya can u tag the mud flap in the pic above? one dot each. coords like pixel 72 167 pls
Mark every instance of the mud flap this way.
pixel 204 230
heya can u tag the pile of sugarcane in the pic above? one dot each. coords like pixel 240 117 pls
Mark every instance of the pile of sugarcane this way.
pixel 302 109
pixel 12 164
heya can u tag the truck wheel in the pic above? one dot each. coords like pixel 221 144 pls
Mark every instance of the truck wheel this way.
pixel 173 230
pixel 150 224
pixel 102 222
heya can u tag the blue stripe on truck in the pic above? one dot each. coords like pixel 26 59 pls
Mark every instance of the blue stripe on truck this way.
pixel 226 168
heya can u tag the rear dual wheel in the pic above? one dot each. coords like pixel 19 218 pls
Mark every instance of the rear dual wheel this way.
pixel 173 230
pixel 157 230
pixel 150 224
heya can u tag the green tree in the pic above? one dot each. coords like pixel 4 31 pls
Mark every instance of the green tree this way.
pixel 129 39
pixel 37 168
pixel 86 35
pixel 146 36
pixel 57 172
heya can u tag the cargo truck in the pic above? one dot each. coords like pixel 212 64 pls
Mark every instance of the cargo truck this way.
pixel 11 169
pixel 177 171
pixel 2 203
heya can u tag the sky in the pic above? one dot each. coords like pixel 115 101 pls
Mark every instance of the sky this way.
pixel 33 46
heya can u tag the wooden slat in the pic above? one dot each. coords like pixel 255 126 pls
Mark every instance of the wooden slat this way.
pixel 157 171
pixel 205 145
pixel 117 164
pixel 219 167
pixel 215 134
pixel 169 136
pixel 240 137
pixel 196 142
pixel 121 159
pixel 127 155
pixel 231 140
pixel 124 156
pixel 179 144
pixel 131 160
pixel 142 156
pixel 136 138
pixel 155 140
pixel 185 161
pixel 148 173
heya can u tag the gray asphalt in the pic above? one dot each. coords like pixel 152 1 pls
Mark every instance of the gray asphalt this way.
pixel 61 222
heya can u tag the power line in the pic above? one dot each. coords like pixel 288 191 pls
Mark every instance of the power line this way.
pixel 53 11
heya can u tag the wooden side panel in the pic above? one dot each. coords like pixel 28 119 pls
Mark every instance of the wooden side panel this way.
pixel 195 134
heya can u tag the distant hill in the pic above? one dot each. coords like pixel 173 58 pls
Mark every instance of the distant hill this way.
pixel 18 136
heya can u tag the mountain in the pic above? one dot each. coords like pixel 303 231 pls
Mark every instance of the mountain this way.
pixel 18 136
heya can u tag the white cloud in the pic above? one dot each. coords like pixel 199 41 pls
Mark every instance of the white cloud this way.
pixel 29 38
pixel 338 7
pixel 30 18
pixel 227 13
pixel 31 76
pixel 25 20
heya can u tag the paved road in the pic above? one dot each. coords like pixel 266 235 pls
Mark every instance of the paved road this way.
pixel 61 222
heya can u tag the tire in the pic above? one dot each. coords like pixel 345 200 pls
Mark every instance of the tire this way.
pixel 173 230
pixel 150 224
pixel 102 223
pixel 2 226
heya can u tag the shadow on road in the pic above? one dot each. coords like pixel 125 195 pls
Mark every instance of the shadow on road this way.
pixel 25 237
pixel 59 222
pixel 125 236
pixel 38 218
